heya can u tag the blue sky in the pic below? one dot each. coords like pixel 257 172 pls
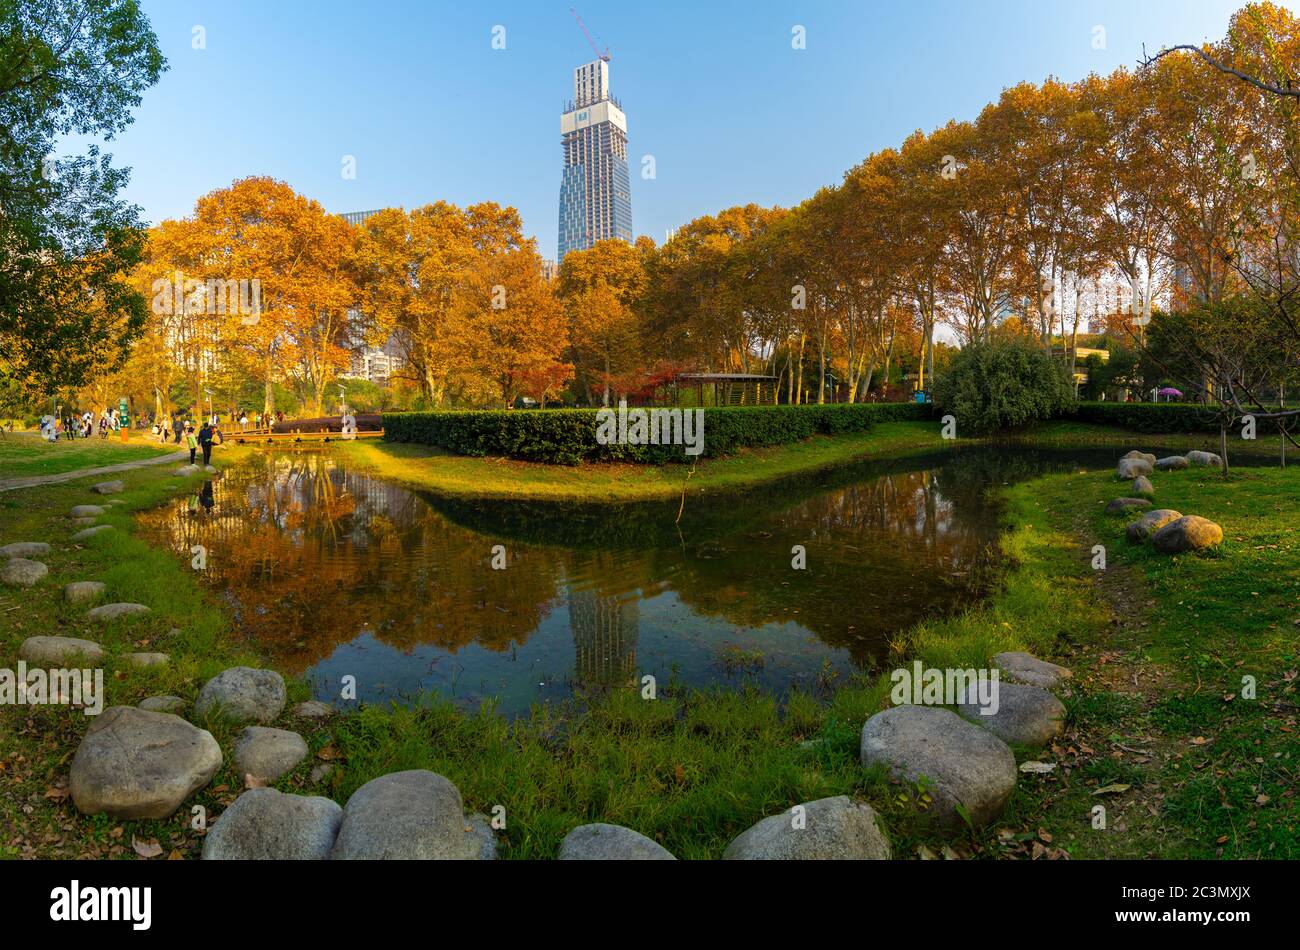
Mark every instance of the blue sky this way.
pixel 713 90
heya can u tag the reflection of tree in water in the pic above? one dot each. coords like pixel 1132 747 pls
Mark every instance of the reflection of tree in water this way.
pixel 313 556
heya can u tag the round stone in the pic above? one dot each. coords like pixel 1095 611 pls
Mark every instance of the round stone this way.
pixel 134 763
pixel 86 511
pixel 20 572
pixel 1138 531
pixel 1024 715
pixel 107 612
pixel 86 533
pixel 413 815
pixel 1189 533
pixel 267 825
pixel 25 549
pixel 829 829
pixel 266 754
pixel 242 694
pixel 1025 668
pixel 166 704
pixel 601 842
pixel 108 488
pixel 59 651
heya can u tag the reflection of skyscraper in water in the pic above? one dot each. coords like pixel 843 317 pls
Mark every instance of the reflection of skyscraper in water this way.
pixel 604 637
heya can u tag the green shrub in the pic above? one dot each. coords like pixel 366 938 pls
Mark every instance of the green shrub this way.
pixel 568 436
pixel 1149 416
pixel 1002 385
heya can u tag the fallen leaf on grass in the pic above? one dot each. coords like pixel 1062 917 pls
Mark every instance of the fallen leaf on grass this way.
pixel 1112 789
pixel 1037 768
pixel 148 848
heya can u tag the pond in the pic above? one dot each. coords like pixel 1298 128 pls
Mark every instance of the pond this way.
pixel 336 573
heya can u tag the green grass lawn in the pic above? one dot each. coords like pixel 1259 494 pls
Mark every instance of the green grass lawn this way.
pixel 1158 646
pixel 24 453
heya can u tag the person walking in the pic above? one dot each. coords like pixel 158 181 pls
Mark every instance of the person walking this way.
pixel 177 428
pixel 206 435
pixel 192 442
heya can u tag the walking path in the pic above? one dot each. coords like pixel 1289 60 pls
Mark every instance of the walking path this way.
pixel 30 481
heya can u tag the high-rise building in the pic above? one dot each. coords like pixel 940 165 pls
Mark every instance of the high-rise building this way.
pixel 596 189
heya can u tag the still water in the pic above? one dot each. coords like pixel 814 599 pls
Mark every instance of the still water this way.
pixel 332 573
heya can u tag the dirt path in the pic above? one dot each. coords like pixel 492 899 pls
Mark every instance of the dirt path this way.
pixel 31 481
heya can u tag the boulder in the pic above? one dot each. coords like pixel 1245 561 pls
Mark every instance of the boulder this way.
pixel 134 763
pixel 85 511
pixel 146 660
pixel 25 549
pixel 313 709
pixel 487 838
pixel 961 764
pixel 1171 463
pixel 78 592
pixel 1132 468
pixel 601 842
pixel 108 612
pixel 59 651
pixel 86 533
pixel 266 825
pixel 1025 668
pixel 1121 505
pixel 266 754
pixel 186 470
pixel 166 704
pixel 1204 458
pixel 1138 531
pixel 1142 487
pixel 108 488
pixel 1025 715
pixel 1145 456
pixel 210 469
pixel 1188 533
pixel 829 829
pixel 242 694
pixel 413 815
pixel 20 572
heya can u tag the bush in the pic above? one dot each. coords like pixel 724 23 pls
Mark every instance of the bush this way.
pixel 1002 385
pixel 568 436
pixel 1149 417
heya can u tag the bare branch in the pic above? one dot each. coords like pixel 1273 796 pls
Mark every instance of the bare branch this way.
pixel 1287 90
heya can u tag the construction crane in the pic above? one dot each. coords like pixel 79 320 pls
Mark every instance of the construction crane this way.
pixel 604 57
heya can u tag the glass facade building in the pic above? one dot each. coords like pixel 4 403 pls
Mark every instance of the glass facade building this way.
pixel 595 188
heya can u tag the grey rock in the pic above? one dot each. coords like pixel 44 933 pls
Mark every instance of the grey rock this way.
pixel 962 764
pixel 313 709
pixel 134 763
pixel 487 838
pixel 266 753
pixel 601 842
pixel 78 592
pixel 210 469
pixel 165 704
pixel 1026 715
pixel 85 533
pixel 186 470
pixel 266 825
pixel 20 572
pixel 108 488
pixel 1204 458
pixel 1188 533
pixel 1120 505
pixel 413 815
pixel 1142 487
pixel 1132 468
pixel 1138 531
pixel 25 549
pixel 1171 463
pixel 107 612
pixel 833 829
pixel 146 660
pixel 85 511
pixel 242 694
pixel 1146 456
pixel 1028 669
pixel 59 651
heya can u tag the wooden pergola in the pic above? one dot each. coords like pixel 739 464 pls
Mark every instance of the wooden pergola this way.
pixel 732 389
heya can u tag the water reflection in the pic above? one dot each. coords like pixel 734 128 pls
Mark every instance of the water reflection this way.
pixel 334 573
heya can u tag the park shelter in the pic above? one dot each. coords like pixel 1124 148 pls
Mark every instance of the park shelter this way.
pixel 731 389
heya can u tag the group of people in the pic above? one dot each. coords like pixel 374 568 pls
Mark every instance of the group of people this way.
pixel 197 439
pixel 85 425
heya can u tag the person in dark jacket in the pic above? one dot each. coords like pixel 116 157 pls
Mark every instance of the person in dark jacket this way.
pixel 177 427
pixel 206 435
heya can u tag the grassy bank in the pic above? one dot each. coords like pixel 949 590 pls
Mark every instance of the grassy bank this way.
pixel 26 453
pixel 1157 646
pixel 440 471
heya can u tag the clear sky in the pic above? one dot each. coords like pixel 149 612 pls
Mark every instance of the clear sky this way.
pixel 713 90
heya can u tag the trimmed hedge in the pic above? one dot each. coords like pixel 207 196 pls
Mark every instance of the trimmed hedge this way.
pixel 568 436
pixel 1151 417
